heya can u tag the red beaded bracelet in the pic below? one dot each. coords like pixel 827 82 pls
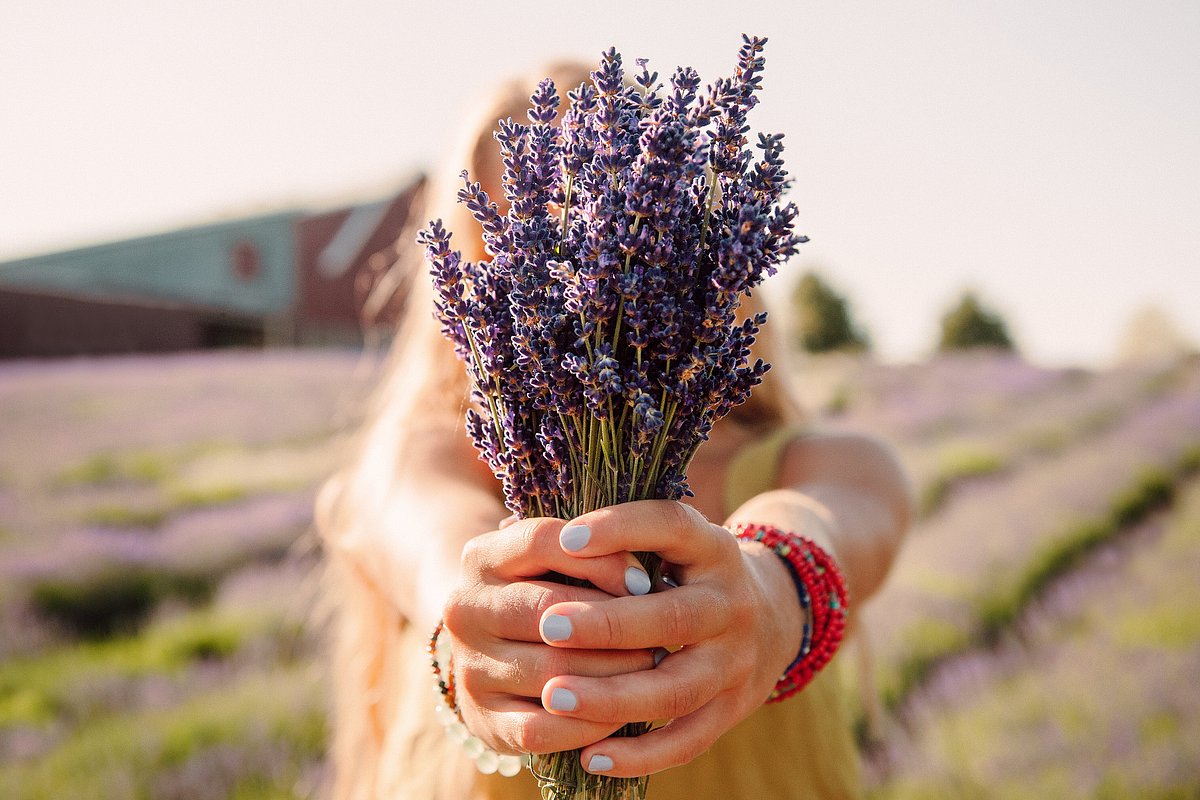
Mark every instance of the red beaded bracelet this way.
pixel 822 594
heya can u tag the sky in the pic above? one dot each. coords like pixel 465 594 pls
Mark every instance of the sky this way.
pixel 1045 155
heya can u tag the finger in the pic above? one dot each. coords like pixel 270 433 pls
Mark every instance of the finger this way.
pixel 676 531
pixel 509 520
pixel 514 725
pixel 687 615
pixel 530 548
pixel 510 610
pixel 573 537
pixel 523 669
pixel 679 742
pixel 679 686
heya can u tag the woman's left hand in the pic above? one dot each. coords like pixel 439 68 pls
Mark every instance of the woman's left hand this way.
pixel 735 614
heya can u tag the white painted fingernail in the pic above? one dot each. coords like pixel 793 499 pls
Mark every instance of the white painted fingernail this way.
pixel 659 654
pixel 669 581
pixel 574 538
pixel 637 581
pixel 600 763
pixel 556 628
pixel 563 700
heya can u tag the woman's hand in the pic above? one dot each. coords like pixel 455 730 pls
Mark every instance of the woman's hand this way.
pixel 735 612
pixel 500 661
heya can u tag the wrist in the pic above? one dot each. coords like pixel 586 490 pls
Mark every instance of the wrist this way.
pixel 783 611
pixel 821 591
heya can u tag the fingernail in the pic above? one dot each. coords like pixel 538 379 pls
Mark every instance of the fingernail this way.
pixel 556 628
pixel 574 538
pixel 637 581
pixel 600 764
pixel 659 654
pixel 563 700
pixel 669 581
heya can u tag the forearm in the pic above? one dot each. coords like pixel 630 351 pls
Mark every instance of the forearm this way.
pixel 848 495
pixel 413 512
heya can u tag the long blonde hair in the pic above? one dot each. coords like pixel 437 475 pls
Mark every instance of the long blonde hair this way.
pixel 424 389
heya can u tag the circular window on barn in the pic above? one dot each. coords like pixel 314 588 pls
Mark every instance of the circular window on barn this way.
pixel 246 261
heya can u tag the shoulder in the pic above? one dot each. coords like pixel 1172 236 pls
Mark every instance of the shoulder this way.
pixel 856 459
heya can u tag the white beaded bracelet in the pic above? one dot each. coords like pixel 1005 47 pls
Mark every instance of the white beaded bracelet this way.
pixel 487 761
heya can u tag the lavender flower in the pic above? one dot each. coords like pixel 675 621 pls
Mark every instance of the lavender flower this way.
pixel 600 338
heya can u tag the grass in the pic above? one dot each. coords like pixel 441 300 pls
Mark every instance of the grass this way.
pixel 928 642
pixel 179 498
pixel 236 741
pixel 115 600
pixel 1095 712
pixel 956 465
pixel 998 609
pixel 39 689
pixel 105 469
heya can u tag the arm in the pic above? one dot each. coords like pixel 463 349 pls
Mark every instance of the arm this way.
pixel 849 494
pixel 414 507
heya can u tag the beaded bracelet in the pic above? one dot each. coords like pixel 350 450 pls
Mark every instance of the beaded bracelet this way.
pixel 486 760
pixel 822 593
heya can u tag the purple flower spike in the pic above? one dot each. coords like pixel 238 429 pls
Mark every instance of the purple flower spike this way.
pixel 600 337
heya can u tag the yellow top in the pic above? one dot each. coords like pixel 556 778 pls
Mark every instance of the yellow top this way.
pixel 799 749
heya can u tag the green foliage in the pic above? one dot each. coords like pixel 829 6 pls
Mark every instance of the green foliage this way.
pixel 1189 462
pixel 823 318
pixel 236 741
pixel 927 643
pixel 111 468
pixel 969 325
pixel 180 498
pixel 113 515
pixel 999 609
pixel 1153 490
pixel 38 689
pixel 187 497
pixel 956 465
pixel 115 600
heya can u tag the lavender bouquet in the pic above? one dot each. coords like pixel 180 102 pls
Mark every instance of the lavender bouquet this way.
pixel 600 338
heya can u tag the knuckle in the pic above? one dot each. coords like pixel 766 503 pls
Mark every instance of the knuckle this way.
pixel 723 608
pixel 536 532
pixel 726 543
pixel 543 599
pixel 468 675
pixel 740 661
pixel 471 558
pixel 552 662
pixel 695 747
pixel 613 627
pixel 679 516
pixel 682 698
pixel 529 734
pixel 456 610
pixel 678 619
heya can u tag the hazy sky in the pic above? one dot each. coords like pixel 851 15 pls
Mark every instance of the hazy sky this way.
pixel 1047 154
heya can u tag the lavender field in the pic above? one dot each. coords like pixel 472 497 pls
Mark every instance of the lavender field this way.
pixel 1039 636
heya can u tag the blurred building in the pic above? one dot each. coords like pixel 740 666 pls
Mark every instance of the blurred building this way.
pixel 292 277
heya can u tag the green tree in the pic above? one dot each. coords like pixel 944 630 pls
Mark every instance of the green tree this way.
pixel 823 321
pixel 969 324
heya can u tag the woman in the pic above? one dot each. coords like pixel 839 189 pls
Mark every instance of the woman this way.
pixel 415 530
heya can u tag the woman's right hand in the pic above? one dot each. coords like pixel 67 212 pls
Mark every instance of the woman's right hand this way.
pixel 501 662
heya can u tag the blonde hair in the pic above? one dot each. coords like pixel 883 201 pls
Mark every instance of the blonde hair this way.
pixel 424 389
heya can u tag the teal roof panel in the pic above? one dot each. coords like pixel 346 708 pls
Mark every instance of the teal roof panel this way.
pixel 244 265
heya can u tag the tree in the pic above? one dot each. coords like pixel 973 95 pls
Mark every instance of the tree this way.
pixel 969 324
pixel 823 321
